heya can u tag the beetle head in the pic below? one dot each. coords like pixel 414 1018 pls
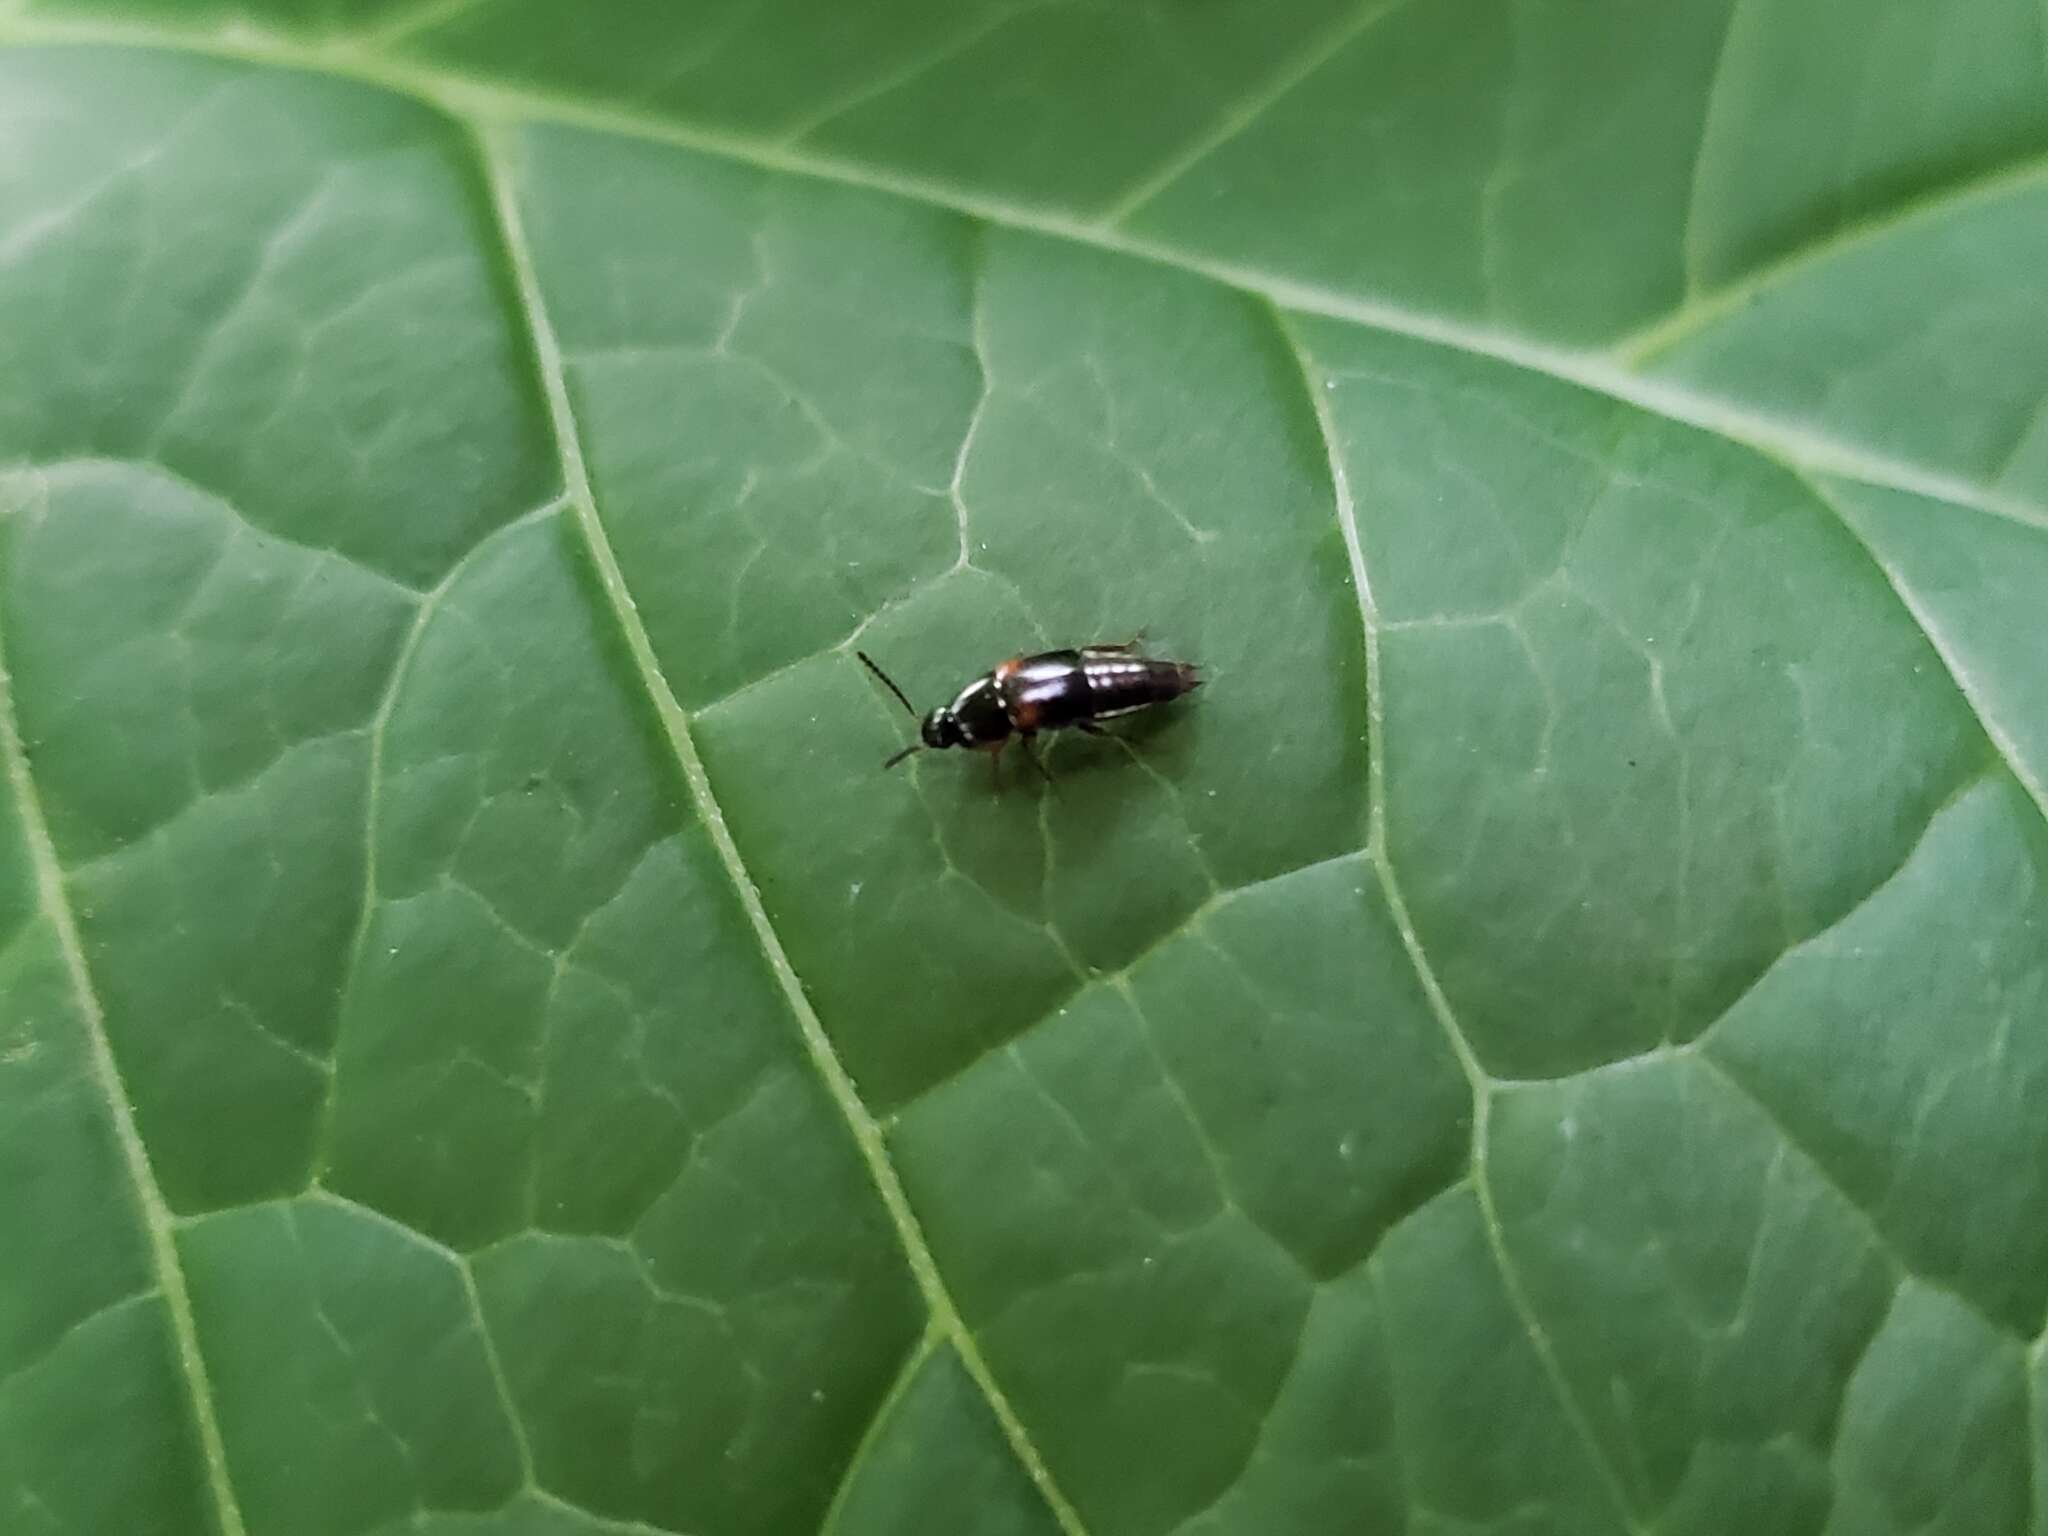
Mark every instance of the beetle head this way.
pixel 941 728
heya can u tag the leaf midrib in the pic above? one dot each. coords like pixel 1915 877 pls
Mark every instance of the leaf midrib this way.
pixel 1314 384
pixel 466 97
pixel 867 1134
pixel 152 1209
pixel 1483 1086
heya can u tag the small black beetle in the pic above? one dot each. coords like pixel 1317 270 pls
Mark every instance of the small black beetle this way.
pixel 1046 692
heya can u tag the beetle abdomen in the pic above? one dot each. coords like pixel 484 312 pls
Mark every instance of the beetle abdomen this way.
pixel 1046 691
pixel 1119 683
pixel 1055 689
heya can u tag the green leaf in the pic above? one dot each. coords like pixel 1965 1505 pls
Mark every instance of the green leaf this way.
pixel 1551 1040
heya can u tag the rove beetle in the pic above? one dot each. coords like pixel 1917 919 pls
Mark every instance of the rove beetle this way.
pixel 1047 692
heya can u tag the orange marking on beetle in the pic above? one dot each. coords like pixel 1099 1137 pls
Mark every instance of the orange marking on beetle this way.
pixel 1024 715
pixel 1005 670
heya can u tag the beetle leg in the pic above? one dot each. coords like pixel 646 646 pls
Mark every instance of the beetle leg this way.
pixel 1121 648
pixel 1103 733
pixel 1032 753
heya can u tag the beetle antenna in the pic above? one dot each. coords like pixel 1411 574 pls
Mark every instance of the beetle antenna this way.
pixel 888 682
pixel 915 746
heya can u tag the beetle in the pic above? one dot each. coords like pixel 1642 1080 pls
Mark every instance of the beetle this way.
pixel 1050 691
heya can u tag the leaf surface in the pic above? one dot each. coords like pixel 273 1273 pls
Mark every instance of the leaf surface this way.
pixel 1550 1040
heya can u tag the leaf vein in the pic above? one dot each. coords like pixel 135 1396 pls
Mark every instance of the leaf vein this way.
pixel 902 77
pixel 914 1360
pixel 401 666
pixel 1880 1239
pixel 1238 117
pixel 1314 382
pixel 1701 309
pixel 1689 234
pixel 48 1349
pixel 106 1072
pixel 2001 743
pixel 49 469
pixel 469 97
pixel 1187 924
pixel 867 1135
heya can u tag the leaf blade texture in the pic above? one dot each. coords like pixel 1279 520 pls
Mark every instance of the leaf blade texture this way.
pixel 1551 1040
